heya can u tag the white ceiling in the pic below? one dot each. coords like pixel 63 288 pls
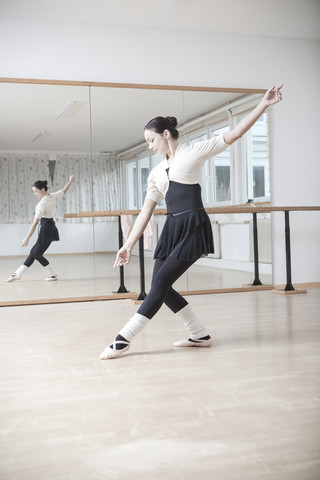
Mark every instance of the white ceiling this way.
pixel 270 18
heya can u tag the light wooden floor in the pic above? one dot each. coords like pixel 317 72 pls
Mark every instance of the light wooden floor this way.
pixel 246 409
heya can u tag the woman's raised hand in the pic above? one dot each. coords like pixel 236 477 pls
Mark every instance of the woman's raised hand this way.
pixel 273 95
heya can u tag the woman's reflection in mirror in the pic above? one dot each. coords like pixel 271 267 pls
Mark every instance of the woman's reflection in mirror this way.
pixel 48 232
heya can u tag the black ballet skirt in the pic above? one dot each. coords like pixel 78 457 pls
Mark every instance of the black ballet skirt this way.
pixel 187 232
pixel 48 231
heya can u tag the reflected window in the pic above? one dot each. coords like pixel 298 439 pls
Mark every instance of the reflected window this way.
pixel 258 181
pixel 143 168
pixel 216 173
pixel 131 184
pixel 155 160
pixel 206 177
pixel 221 168
pixel 222 183
pixel 136 173
pixel 257 157
pixel 238 173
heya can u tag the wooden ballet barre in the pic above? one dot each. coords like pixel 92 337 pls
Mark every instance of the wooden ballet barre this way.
pixel 209 210
pixel 254 209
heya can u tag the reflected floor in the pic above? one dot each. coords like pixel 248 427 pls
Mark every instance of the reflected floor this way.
pixel 94 275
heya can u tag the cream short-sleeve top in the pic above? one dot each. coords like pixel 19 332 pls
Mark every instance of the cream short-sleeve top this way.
pixel 186 166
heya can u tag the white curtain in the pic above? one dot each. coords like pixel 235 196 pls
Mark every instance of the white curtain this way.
pixel 96 186
pixel 106 184
pixel 18 172
pixel 79 196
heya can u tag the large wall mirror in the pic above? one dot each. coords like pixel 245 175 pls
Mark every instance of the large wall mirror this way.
pixel 51 130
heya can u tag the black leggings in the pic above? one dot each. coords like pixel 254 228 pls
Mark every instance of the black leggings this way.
pixel 165 273
pixel 36 253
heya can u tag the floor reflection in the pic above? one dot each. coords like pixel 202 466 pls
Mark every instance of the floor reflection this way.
pixel 94 275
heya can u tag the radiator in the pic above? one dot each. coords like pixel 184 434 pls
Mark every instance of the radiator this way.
pixel 264 240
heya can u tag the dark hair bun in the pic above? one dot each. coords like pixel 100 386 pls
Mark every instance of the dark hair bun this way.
pixel 160 124
pixel 40 184
pixel 173 121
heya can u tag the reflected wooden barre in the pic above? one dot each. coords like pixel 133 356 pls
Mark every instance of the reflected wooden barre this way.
pixel 110 213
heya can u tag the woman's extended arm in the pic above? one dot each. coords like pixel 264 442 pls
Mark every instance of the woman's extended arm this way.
pixel 272 96
pixel 25 241
pixel 66 187
pixel 124 254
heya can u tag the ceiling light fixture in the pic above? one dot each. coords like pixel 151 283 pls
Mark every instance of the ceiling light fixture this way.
pixel 66 109
pixel 39 135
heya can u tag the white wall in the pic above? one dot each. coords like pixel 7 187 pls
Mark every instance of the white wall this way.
pixel 73 51
pixel 74 238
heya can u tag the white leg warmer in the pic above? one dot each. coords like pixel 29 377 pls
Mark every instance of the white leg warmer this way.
pixel 199 336
pixel 21 270
pixel 192 323
pixel 51 271
pixel 134 326
pixel 121 343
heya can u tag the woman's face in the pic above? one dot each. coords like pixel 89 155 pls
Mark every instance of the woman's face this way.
pixel 158 142
pixel 38 193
